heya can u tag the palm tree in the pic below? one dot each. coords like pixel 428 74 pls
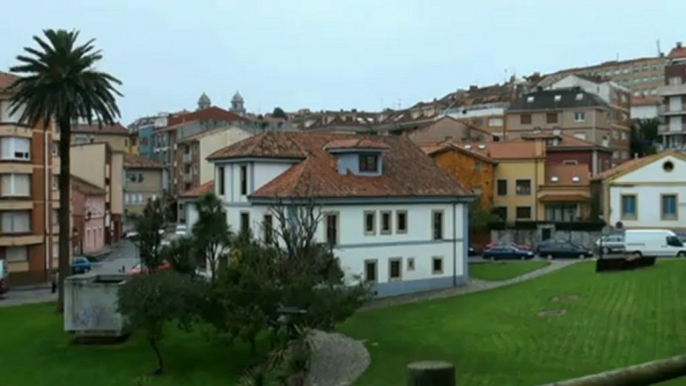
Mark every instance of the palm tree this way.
pixel 59 83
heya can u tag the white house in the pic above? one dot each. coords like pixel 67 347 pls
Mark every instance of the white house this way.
pixel 646 192
pixel 391 214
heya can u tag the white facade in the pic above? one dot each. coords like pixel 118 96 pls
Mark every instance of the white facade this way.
pixel 208 144
pixel 415 248
pixel 649 111
pixel 650 185
pixel 604 90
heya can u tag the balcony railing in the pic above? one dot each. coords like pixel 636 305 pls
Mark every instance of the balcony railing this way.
pixel 187 158
pixel 187 178
pixel 667 129
pixel 670 110
pixel 672 90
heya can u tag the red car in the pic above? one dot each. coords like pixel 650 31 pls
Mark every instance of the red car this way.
pixel 518 246
pixel 140 269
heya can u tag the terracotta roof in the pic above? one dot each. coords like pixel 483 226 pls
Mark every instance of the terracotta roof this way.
pixel 140 162
pixel 514 149
pixel 356 143
pixel 215 113
pixel 6 79
pixel 634 163
pixel 84 187
pixel 567 142
pixel 677 52
pixel 117 128
pixel 435 148
pixel 206 133
pixel 565 175
pixel 198 191
pixel 644 101
pixel 407 171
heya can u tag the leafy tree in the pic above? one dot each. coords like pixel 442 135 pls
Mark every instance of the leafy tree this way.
pixel 60 83
pixel 279 113
pixel 150 228
pixel 149 302
pixel 643 136
pixel 181 255
pixel 211 232
pixel 479 216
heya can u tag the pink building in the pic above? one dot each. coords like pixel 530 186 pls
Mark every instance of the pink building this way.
pixel 88 216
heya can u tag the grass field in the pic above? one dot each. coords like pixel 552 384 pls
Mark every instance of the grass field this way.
pixel 36 352
pixel 496 338
pixel 498 271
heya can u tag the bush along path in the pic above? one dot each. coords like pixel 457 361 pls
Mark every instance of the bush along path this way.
pixel 474 285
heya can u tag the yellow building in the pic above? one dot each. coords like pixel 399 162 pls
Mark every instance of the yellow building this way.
pixel 119 139
pixel 565 195
pixel 519 174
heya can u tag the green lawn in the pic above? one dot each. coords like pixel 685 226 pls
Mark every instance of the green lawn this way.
pixel 496 338
pixel 501 270
pixel 36 352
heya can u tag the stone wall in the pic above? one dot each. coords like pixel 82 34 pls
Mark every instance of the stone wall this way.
pixel 533 237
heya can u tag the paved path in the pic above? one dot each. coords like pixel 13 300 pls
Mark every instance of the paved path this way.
pixel 122 254
pixel 474 285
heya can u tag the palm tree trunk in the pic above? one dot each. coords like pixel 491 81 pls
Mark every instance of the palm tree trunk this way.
pixel 64 212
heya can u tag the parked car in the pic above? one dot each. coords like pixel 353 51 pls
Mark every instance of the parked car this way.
pixel 80 264
pixel 502 252
pixel 140 268
pixel 4 277
pixel 505 243
pixel 561 248
pixel 609 244
pixel 654 242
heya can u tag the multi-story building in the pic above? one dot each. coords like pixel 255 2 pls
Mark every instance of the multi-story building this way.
pixel 567 150
pixel 30 196
pixel 99 165
pixel 645 107
pixel 571 111
pixel 642 75
pixel 143 128
pixel 142 182
pixel 672 133
pixel 192 153
pixel 475 171
pixel 447 128
pixel 402 237
pixel 88 216
pixel 115 135
pixel 181 126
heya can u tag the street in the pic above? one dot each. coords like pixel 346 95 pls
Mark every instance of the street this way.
pixel 123 254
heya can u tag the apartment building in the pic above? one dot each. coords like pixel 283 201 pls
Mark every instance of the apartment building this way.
pixel 571 111
pixel 142 182
pixel 401 237
pixel 99 165
pixel 672 131
pixel 88 216
pixel 117 136
pixel 29 192
pixel 643 76
pixel 181 126
pixel 568 150
pixel 447 128
pixel 192 153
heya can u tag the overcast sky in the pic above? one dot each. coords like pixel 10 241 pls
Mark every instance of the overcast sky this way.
pixel 319 54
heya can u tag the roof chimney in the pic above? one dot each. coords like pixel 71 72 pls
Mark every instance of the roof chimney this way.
pixel 678 44
pixel 473 88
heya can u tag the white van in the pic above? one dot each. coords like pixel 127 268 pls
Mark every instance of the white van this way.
pixel 653 242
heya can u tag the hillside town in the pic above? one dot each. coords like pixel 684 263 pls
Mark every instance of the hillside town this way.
pixel 326 220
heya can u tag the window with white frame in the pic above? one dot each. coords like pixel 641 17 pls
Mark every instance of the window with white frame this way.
pixel 15 148
pixel 16 221
pixel 579 116
pixel 55 218
pixel 55 182
pixel 16 254
pixel 16 185
pixel 55 250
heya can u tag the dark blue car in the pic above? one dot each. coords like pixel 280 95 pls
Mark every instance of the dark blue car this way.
pixel 80 264
pixel 503 252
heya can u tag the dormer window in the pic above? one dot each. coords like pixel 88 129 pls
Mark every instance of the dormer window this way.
pixel 369 163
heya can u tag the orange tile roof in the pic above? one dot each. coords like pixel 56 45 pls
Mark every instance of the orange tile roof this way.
pixel 503 150
pixel 626 166
pixel 117 128
pixel 356 143
pixel 6 79
pixel 644 101
pixel 434 148
pixel 407 171
pixel 198 191
pixel 677 52
pixel 565 175
pixel 137 161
